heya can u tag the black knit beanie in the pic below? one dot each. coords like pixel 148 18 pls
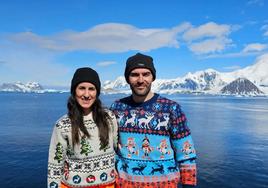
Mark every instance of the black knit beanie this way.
pixel 139 61
pixel 86 74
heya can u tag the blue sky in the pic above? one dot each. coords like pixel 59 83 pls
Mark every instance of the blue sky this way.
pixel 45 41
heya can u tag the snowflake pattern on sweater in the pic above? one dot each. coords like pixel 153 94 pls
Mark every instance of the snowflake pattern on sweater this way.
pixel 87 164
pixel 155 143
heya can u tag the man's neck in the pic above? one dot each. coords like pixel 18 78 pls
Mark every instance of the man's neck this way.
pixel 140 99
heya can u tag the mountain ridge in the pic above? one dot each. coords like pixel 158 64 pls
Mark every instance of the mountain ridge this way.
pixel 241 86
pixel 207 81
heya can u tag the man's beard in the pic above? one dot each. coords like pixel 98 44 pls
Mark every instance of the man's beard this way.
pixel 142 93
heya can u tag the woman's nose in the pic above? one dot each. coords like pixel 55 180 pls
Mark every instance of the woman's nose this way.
pixel 86 93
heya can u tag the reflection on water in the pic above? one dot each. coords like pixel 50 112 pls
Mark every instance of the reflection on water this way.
pixel 230 134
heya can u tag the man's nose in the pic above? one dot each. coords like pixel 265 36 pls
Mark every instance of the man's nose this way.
pixel 140 78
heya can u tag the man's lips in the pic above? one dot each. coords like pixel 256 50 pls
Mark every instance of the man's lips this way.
pixel 140 86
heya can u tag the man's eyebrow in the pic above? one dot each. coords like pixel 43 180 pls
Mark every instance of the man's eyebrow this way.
pixel 140 72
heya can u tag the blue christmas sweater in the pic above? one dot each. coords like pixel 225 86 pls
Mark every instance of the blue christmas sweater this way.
pixel 155 144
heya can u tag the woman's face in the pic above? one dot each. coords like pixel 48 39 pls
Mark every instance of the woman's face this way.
pixel 85 95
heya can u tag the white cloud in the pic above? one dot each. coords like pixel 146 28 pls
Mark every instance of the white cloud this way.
pixel 30 56
pixel 209 38
pixel 255 47
pixel 106 38
pixel 209 29
pixel 210 45
pixel 116 38
pixel 105 63
pixel 251 51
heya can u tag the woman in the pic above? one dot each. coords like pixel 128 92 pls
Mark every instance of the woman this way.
pixel 81 152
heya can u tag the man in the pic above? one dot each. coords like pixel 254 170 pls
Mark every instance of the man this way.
pixel 155 144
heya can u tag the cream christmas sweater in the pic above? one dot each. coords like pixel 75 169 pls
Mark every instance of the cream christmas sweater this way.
pixel 85 164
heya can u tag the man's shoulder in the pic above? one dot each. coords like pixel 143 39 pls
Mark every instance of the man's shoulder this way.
pixel 117 104
pixel 122 100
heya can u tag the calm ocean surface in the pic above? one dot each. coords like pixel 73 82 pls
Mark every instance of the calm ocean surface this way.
pixel 230 135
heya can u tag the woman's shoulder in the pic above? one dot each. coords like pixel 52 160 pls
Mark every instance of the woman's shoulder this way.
pixel 109 112
pixel 63 122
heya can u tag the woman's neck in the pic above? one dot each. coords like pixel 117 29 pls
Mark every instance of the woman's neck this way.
pixel 87 112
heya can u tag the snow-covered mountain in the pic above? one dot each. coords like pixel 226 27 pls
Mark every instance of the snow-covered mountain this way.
pixel 29 87
pixel 208 81
pixel 118 85
pixel 256 73
pixel 21 87
pixel 241 86
pixel 200 81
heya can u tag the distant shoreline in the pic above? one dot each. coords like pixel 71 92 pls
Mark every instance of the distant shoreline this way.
pixel 128 93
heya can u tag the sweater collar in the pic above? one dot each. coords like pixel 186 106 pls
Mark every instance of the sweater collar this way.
pixel 131 102
pixel 88 116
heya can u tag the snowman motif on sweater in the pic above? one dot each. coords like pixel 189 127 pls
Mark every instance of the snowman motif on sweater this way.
pixel 187 149
pixel 146 148
pixel 163 148
pixel 131 147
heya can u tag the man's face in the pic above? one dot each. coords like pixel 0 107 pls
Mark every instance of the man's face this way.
pixel 140 80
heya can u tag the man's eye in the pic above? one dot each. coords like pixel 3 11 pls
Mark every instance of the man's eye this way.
pixel 134 74
pixel 147 74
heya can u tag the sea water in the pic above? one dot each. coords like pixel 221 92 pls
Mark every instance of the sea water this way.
pixel 230 136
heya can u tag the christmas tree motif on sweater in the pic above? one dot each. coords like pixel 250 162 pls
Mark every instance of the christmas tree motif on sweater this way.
pixel 59 152
pixel 69 151
pixel 85 147
pixel 103 147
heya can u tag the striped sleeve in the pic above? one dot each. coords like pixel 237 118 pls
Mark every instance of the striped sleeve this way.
pixel 183 146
